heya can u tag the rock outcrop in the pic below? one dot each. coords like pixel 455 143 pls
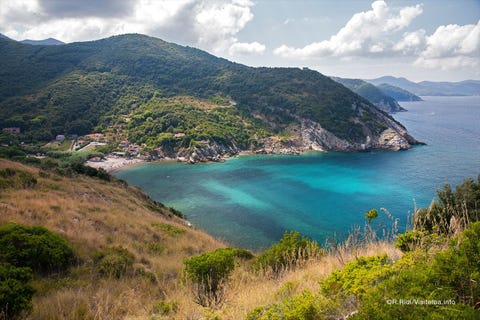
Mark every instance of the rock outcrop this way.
pixel 310 136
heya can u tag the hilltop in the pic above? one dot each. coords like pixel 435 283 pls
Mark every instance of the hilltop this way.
pixel 186 101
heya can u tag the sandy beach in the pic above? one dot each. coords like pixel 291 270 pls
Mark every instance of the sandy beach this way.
pixel 114 163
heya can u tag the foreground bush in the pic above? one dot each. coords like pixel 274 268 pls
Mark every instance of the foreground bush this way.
pixel 15 292
pixel 209 273
pixel 421 285
pixel 114 262
pixel 290 251
pixel 304 306
pixel 452 211
pixel 34 247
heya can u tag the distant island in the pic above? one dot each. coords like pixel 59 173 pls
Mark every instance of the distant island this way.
pixel 430 88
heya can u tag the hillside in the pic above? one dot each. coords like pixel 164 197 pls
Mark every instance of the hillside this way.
pixel 382 100
pixel 133 258
pixel 431 88
pixel 94 215
pixel 84 87
pixel 397 93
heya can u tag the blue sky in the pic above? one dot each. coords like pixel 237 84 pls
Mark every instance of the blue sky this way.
pixel 435 40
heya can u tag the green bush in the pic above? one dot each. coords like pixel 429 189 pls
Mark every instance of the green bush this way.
pixel 445 286
pixel 114 262
pixel 304 306
pixel 209 273
pixel 163 307
pixel 410 240
pixel 290 251
pixel 34 247
pixel 15 292
pixel 452 211
pixel 357 277
pixel 13 178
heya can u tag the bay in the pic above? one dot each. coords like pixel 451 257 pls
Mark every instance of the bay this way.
pixel 250 201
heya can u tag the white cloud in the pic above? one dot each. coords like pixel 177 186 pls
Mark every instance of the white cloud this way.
pixel 412 42
pixel 452 46
pixel 208 24
pixel 365 33
pixel 217 24
pixel 246 48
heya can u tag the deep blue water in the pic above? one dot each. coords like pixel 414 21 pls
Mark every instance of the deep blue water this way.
pixel 250 201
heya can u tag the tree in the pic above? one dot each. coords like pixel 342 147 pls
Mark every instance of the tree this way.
pixel 209 273
pixel 371 214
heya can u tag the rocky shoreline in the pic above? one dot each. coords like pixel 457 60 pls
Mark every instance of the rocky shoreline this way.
pixel 310 137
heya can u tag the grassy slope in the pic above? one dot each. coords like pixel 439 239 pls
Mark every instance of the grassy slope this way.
pixel 93 214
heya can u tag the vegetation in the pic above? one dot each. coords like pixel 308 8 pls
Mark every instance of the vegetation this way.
pixel 373 94
pixel 134 81
pixel 113 262
pixel 132 253
pixel 34 247
pixel 397 93
pixel 209 273
pixel 292 250
pixel 15 291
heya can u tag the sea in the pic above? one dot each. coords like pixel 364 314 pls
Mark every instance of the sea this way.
pixel 250 201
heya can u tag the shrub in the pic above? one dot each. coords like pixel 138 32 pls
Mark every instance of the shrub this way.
pixel 209 273
pixel 34 247
pixel 15 292
pixel 114 262
pixel 445 286
pixel 13 178
pixel 371 214
pixel 357 277
pixel 409 240
pixel 168 228
pixel 452 211
pixel 290 251
pixel 155 248
pixel 304 306
pixel 163 307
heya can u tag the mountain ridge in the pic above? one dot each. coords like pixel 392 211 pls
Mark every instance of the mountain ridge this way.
pixel 79 87
pixel 431 88
pixel 372 93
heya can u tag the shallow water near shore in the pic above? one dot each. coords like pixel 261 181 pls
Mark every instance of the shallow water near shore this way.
pixel 250 201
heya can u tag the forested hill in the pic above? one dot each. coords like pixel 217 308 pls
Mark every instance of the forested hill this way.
pixel 380 99
pixel 82 87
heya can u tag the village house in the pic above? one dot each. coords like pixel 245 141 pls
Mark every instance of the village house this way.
pixel 95 137
pixel 59 138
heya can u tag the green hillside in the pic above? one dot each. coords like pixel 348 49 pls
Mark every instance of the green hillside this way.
pixel 84 87
pixel 381 99
pixel 397 93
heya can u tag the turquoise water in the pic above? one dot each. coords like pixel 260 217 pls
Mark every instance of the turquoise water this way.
pixel 250 201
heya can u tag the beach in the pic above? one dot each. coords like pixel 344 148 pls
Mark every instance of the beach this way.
pixel 113 163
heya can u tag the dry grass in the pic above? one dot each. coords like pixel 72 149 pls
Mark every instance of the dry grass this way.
pixel 93 214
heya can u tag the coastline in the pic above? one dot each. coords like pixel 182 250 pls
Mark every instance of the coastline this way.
pixel 113 164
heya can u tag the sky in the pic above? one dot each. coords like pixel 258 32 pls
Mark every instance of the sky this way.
pixel 436 40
